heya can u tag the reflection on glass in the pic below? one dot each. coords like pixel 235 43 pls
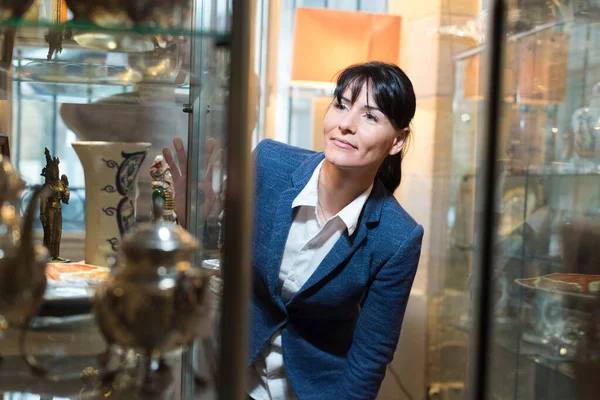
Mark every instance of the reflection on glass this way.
pixel 546 270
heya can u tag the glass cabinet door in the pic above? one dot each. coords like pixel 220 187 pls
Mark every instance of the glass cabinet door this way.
pixel 517 315
pixel 95 91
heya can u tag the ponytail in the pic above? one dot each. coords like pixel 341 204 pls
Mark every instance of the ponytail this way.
pixel 390 172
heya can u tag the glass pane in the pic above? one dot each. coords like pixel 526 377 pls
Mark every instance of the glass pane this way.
pixel 545 272
pixel 450 306
pixel 376 6
pixel 350 5
pixel 544 302
pixel 107 105
pixel 311 3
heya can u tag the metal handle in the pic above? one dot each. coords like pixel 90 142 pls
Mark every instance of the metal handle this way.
pixel 231 383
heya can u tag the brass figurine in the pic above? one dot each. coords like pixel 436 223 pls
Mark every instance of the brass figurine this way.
pixel 57 190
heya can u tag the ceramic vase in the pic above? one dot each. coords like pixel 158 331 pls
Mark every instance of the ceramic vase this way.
pixel 111 172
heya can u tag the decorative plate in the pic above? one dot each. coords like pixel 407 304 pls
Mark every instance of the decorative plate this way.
pixel 571 284
pixel 129 43
pixel 70 72
pixel 70 290
pixel 75 275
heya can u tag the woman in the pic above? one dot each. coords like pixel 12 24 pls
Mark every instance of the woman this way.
pixel 335 255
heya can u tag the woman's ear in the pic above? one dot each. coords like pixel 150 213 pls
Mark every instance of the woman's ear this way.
pixel 399 141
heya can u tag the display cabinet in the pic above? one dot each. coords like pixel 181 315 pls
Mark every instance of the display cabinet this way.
pixel 516 311
pixel 90 94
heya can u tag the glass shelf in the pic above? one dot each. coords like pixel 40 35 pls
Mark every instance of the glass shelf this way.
pixel 508 340
pixel 70 93
pixel 80 74
pixel 84 93
pixel 97 55
pixel 547 172
pixel 40 28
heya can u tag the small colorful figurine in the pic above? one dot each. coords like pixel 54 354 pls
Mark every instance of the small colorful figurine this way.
pixel 163 191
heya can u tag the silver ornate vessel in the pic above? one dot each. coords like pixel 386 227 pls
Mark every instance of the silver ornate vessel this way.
pixel 155 300
pixel 22 262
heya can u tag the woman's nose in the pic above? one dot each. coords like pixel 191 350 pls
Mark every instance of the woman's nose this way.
pixel 348 123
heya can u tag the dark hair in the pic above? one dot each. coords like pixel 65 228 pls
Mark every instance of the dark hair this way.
pixel 394 96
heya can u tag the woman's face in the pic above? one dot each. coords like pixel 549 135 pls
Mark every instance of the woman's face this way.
pixel 359 135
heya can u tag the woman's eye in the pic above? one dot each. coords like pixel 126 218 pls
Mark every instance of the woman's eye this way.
pixel 372 117
pixel 340 106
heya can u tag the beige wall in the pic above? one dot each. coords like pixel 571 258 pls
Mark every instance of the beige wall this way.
pixel 271 65
pixel 5 104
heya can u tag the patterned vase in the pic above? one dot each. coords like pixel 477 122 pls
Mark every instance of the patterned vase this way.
pixel 111 172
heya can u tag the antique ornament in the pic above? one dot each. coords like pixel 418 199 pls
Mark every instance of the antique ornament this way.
pixel 160 13
pixel 57 32
pixel 13 8
pixel 111 171
pixel 57 191
pixel 155 300
pixel 23 265
pixel 163 190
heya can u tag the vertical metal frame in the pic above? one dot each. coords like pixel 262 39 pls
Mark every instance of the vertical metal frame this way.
pixel 260 65
pixel 236 267
pixel 481 333
pixel 195 163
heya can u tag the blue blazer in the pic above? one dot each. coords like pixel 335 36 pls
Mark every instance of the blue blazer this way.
pixel 341 328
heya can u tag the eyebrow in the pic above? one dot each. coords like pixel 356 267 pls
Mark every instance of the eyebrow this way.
pixel 368 107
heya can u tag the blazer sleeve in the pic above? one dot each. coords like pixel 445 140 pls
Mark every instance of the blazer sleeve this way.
pixel 378 326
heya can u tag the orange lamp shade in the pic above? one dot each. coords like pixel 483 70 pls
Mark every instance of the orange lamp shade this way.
pixel 327 41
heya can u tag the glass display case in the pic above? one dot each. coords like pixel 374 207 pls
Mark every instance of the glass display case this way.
pixel 516 312
pixel 90 94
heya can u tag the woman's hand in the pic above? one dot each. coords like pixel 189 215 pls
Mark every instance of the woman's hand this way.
pixel 179 173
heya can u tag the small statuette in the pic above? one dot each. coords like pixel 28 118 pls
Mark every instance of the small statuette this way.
pixel 163 191
pixel 56 191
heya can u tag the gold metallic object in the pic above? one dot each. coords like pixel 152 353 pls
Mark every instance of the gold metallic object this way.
pixel 10 9
pixel 50 205
pixel 90 377
pixel 57 32
pixel 22 263
pixel 109 41
pixel 162 13
pixel 13 8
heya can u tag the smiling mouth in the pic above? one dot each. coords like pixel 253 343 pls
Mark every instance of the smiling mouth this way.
pixel 344 144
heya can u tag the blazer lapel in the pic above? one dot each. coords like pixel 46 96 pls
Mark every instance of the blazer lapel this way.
pixel 347 245
pixel 282 221
pixel 281 227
